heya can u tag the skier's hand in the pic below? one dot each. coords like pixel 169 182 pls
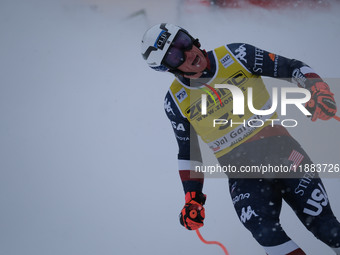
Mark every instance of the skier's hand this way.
pixel 321 105
pixel 193 212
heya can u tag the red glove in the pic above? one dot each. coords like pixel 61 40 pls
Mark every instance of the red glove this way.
pixel 193 213
pixel 321 105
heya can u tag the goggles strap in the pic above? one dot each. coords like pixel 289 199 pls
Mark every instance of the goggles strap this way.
pixel 197 43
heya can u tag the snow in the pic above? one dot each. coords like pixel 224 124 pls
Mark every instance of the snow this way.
pixel 87 155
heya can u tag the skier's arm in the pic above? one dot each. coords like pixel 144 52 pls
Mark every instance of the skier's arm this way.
pixel 189 155
pixel 263 63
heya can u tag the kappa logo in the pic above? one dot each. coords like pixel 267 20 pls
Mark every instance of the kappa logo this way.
pixel 318 200
pixel 241 53
pixel 167 106
pixel 246 215
pixel 181 95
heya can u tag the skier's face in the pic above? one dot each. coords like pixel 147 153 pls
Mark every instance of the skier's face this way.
pixel 195 62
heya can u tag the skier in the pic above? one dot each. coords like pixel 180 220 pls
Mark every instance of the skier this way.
pixel 257 201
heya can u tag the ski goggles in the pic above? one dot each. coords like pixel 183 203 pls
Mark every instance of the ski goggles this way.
pixel 175 56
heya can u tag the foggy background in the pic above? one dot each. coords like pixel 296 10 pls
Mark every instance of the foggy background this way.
pixel 88 159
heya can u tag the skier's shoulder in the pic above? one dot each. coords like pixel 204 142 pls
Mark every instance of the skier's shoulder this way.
pixel 243 52
pixel 170 105
pixel 239 46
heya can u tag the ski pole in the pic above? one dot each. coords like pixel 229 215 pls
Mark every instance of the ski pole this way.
pixel 336 117
pixel 211 242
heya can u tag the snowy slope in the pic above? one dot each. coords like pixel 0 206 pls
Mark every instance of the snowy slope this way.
pixel 87 156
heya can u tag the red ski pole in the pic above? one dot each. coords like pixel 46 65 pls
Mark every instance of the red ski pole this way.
pixel 211 242
pixel 336 117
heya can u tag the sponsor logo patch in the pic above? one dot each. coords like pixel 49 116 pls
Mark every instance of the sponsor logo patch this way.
pixel 161 40
pixel 272 56
pixel 241 53
pixel 181 95
pixel 226 61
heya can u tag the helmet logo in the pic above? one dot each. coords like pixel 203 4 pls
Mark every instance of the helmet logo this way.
pixel 161 40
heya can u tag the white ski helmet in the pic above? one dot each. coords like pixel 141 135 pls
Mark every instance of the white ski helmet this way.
pixel 156 42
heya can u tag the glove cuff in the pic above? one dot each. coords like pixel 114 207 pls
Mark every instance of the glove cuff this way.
pixel 320 87
pixel 196 196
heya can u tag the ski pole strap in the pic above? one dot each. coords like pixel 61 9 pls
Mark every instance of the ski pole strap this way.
pixel 211 242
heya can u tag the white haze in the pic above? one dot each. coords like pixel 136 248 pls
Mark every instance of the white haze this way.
pixel 87 156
